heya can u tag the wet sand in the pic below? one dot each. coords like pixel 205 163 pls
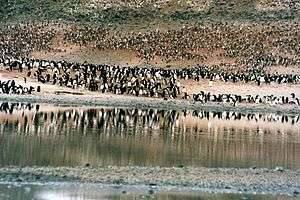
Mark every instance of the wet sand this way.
pixel 144 102
pixel 252 181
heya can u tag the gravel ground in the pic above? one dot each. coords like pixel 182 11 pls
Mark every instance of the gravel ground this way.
pixel 254 181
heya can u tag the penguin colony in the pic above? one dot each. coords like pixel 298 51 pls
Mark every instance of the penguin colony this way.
pixel 147 82
pixel 249 45
pixel 10 87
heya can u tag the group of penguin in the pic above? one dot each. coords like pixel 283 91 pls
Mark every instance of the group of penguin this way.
pixel 148 82
pixel 10 87
pixel 205 97
pixel 215 72
pixel 142 81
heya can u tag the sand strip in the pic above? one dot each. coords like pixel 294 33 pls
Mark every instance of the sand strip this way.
pixel 143 102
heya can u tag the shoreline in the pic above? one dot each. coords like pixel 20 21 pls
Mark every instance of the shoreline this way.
pixel 215 180
pixel 147 103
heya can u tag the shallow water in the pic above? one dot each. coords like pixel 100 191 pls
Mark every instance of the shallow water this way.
pixel 45 135
pixel 91 192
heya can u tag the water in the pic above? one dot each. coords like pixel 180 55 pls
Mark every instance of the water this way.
pixel 92 192
pixel 47 135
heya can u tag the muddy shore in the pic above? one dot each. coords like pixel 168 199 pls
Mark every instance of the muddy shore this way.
pixel 253 181
pixel 142 102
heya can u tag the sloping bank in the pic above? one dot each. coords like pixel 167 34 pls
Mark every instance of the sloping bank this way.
pixel 142 102
pixel 253 181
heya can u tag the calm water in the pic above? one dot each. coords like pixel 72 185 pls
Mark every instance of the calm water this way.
pixel 111 136
pixel 90 192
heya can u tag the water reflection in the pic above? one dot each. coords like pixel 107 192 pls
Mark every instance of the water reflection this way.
pixel 84 192
pixel 151 118
pixel 116 136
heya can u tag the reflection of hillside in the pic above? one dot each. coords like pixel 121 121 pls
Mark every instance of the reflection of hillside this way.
pixel 107 136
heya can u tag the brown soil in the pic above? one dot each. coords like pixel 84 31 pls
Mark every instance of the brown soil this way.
pixel 82 54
